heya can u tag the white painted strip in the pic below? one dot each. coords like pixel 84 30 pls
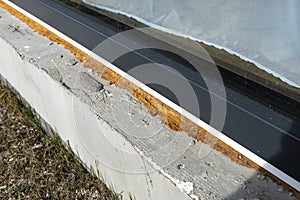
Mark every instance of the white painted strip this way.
pixel 259 161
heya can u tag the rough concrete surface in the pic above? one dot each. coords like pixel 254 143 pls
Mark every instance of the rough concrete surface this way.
pixel 111 130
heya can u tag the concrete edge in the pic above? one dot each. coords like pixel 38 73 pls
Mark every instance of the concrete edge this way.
pixel 60 103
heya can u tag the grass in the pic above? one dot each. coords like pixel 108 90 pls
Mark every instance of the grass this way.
pixel 34 165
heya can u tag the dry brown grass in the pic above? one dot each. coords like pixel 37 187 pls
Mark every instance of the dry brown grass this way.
pixel 34 165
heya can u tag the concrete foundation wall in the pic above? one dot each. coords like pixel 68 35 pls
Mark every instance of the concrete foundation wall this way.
pixel 55 105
